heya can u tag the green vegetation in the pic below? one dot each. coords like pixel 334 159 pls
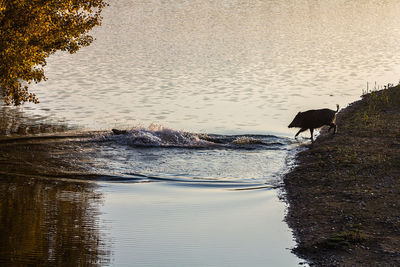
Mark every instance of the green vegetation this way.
pixel 31 30
pixel 345 238
pixel 375 103
pixel 344 195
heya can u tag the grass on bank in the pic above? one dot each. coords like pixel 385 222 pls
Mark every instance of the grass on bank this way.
pixel 345 193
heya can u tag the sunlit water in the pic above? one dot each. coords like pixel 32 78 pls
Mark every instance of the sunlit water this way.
pixel 157 152
pixel 223 66
pixel 147 197
pixel 205 91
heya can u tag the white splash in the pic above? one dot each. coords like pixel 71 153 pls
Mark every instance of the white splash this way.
pixel 246 140
pixel 158 135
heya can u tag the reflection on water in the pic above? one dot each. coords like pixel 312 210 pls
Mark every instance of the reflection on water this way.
pixel 156 200
pixel 15 122
pixel 45 221
pixel 142 154
pixel 50 223
pixel 191 227
pixel 223 66
pixel 228 67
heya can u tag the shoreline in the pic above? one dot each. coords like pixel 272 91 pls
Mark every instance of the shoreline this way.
pixel 343 195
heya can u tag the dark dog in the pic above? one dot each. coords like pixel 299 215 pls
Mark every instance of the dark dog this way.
pixel 313 119
pixel 115 131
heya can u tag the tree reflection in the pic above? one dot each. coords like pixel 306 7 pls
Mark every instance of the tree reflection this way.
pixel 50 222
pixel 14 121
pixel 44 220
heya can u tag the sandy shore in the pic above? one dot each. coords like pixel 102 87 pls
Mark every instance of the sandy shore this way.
pixel 344 194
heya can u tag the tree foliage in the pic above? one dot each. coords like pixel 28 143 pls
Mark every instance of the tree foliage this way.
pixel 31 30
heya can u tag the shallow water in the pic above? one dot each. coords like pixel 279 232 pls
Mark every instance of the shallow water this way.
pixel 47 222
pixel 203 92
pixel 149 197
pixel 187 226
pixel 158 153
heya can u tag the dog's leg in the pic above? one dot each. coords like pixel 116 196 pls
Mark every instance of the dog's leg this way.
pixel 334 126
pixel 312 132
pixel 301 130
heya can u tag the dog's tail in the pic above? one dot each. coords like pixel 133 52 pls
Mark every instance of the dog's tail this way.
pixel 337 108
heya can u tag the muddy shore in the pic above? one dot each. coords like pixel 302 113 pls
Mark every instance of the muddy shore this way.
pixel 344 194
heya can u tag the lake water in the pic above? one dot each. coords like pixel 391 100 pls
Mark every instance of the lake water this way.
pixel 205 90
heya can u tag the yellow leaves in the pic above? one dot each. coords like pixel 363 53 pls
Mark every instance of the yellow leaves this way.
pixel 2 8
pixel 31 30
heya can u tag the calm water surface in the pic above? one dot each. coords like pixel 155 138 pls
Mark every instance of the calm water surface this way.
pixel 205 90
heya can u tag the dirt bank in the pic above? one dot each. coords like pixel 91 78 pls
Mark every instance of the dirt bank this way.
pixel 344 194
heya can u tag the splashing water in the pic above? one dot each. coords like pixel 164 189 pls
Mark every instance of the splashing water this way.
pixel 158 153
pixel 156 136
pixel 159 136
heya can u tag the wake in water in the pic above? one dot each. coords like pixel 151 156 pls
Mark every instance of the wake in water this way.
pixel 161 154
pixel 152 154
pixel 159 136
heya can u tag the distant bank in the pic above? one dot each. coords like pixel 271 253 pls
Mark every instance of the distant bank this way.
pixel 344 194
